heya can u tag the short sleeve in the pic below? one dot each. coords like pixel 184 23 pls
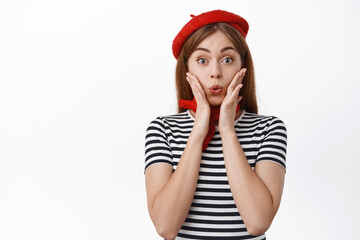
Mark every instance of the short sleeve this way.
pixel 273 147
pixel 157 147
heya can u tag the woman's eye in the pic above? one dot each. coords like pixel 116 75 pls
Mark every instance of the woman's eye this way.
pixel 228 60
pixel 201 60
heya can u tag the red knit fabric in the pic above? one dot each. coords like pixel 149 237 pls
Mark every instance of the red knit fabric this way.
pixel 203 19
pixel 214 116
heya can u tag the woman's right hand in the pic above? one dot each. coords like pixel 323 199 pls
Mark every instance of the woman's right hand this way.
pixel 202 116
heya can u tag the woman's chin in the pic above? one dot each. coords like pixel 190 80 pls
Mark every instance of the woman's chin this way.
pixel 215 102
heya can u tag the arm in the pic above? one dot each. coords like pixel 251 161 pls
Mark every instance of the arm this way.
pixel 169 195
pixel 257 194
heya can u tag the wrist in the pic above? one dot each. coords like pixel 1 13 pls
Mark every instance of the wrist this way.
pixel 198 133
pixel 227 131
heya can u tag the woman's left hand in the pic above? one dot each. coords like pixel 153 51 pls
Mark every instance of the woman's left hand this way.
pixel 230 102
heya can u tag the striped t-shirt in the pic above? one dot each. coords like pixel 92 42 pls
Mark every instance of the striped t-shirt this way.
pixel 213 213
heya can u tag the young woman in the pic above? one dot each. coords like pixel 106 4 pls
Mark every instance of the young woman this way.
pixel 216 169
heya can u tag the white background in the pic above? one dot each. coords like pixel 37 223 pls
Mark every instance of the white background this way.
pixel 81 80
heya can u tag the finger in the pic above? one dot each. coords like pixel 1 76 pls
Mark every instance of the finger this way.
pixel 233 83
pixel 242 75
pixel 192 85
pixel 194 79
pixel 237 80
pixel 197 83
pixel 195 89
pixel 235 93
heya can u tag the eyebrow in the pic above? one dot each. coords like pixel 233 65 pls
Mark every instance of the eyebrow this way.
pixel 207 50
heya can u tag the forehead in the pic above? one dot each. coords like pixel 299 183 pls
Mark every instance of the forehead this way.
pixel 216 41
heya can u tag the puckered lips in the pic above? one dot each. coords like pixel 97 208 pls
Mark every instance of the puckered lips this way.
pixel 215 89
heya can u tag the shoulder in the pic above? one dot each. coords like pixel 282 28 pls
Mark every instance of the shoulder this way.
pixel 262 123
pixel 166 121
pixel 262 119
pixel 272 136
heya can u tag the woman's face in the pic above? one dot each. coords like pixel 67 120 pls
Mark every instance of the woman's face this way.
pixel 215 62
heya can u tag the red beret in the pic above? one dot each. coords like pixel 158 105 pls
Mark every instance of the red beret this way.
pixel 207 18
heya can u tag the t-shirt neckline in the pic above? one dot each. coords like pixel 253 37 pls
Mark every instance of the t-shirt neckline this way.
pixel 217 127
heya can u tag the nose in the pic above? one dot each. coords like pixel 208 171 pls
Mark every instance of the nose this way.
pixel 216 71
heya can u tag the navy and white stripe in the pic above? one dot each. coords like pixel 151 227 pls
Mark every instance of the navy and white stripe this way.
pixel 213 213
